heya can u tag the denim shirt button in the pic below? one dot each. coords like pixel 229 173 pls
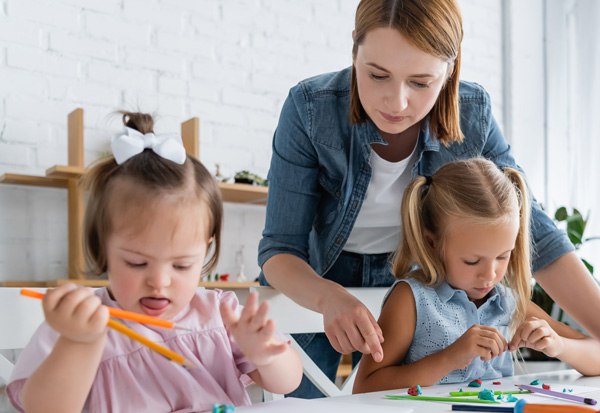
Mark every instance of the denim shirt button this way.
pixel 355 204
pixel 339 241
pixel 338 194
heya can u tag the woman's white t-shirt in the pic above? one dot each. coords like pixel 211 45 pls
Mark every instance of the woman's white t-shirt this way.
pixel 377 227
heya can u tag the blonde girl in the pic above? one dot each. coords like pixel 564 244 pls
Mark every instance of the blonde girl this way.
pixel 464 285
pixel 152 217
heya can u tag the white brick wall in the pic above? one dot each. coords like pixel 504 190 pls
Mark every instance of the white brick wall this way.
pixel 229 62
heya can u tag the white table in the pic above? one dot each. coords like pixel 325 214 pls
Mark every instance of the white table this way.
pixel 376 401
pixel 564 377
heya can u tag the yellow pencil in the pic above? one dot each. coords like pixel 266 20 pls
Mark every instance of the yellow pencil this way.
pixel 148 343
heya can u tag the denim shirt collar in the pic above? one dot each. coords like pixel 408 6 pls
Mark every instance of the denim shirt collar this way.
pixel 445 292
pixel 426 141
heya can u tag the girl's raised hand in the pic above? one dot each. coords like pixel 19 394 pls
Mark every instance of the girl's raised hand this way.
pixel 478 341
pixel 75 313
pixel 253 333
pixel 537 334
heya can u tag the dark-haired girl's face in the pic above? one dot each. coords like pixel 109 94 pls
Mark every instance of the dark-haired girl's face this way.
pixel 398 84
pixel 155 257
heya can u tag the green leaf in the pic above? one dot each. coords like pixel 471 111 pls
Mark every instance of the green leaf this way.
pixel 589 266
pixel 575 228
pixel 561 214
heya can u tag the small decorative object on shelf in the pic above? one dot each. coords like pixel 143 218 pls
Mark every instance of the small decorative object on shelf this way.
pixel 224 277
pixel 245 177
pixel 220 174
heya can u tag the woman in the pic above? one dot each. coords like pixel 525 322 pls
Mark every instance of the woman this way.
pixel 345 148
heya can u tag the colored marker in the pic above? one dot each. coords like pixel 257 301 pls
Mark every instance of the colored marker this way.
pixel 566 396
pixel 523 407
pixel 440 399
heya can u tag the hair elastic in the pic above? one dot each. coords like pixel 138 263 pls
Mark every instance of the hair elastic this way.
pixel 428 180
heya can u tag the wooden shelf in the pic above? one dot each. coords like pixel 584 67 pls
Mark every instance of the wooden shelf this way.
pixel 104 283
pixel 58 176
pixel 65 171
pixel 67 176
pixel 244 193
pixel 33 180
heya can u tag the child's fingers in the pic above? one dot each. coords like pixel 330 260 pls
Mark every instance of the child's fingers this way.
pixel 249 308
pixel 267 331
pixel 276 349
pixel 53 297
pixel 85 309
pixel 67 306
pixel 260 317
pixel 228 315
pixel 100 316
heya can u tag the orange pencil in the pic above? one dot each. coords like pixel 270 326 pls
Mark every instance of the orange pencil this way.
pixel 129 332
pixel 148 343
pixel 117 312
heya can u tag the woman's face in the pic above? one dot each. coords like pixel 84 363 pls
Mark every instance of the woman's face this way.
pixel 398 83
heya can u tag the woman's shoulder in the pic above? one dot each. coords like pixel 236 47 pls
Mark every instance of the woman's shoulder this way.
pixel 326 84
pixel 471 91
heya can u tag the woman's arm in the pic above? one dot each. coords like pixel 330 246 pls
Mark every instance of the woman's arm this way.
pixel 572 287
pixel 541 332
pixel 349 325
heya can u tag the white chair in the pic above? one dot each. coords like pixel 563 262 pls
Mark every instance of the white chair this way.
pixel 19 318
pixel 291 318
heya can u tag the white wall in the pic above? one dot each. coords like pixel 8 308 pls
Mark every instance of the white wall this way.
pixel 228 62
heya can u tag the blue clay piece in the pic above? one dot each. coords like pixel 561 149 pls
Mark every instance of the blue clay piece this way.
pixel 535 382
pixel 474 384
pixel 500 397
pixel 486 394
pixel 419 389
pixel 511 398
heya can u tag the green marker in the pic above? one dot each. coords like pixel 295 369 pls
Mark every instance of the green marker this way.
pixel 476 393
pixel 440 399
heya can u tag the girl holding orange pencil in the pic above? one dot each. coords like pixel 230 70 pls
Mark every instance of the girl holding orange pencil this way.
pixel 152 217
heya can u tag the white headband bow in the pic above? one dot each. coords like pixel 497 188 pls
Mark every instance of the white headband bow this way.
pixel 131 142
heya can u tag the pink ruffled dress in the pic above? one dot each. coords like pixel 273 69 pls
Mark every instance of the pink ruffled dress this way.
pixel 133 378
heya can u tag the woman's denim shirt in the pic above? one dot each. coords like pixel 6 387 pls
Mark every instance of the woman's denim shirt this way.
pixel 320 170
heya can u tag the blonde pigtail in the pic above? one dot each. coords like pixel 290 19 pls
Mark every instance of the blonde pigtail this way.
pixel 414 248
pixel 519 270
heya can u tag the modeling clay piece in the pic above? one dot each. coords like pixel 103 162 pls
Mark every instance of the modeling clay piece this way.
pixel 415 390
pixel 475 383
pixel 460 390
pixel 546 386
pixel 496 382
pixel 223 408
pixel 535 382
pixel 486 394
pixel 500 397
pixel 511 398
pixel 564 390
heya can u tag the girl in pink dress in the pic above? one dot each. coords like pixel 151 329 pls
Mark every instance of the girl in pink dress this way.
pixel 152 217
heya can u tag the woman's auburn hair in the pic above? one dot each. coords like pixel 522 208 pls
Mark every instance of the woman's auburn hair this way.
pixel 154 177
pixel 474 190
pixel 433 26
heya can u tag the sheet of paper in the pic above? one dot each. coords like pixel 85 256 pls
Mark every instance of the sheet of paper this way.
pixel 292 405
